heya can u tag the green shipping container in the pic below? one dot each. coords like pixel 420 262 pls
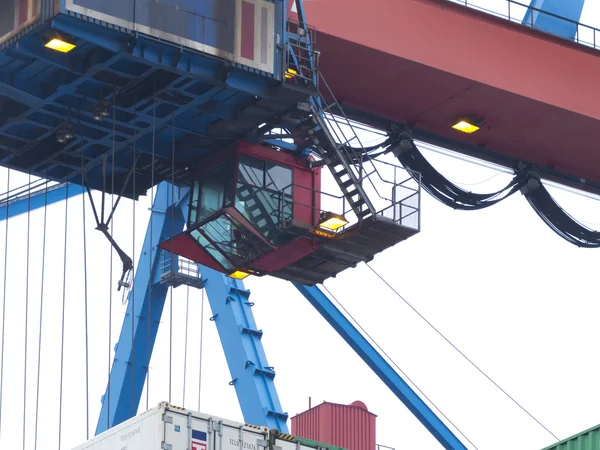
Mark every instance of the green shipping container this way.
pixel 586 440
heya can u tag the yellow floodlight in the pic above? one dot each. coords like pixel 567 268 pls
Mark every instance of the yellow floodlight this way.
pixel 465 126
pixel 332 222
pixel 239 275
pixel 290 73
pixel 59 45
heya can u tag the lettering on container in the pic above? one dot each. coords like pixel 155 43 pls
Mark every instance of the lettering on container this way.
pixel 236 443
pixel 130 434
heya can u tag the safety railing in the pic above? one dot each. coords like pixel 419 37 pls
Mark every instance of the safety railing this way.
pixel 176 270
pixel 525 15
pixel 400 200
pixel 301 58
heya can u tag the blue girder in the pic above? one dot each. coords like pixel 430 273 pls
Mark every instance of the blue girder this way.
pixel 558 17
pixel 240 337
pixel 380 366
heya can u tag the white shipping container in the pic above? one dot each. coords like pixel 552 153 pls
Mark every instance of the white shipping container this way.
pixel 167 427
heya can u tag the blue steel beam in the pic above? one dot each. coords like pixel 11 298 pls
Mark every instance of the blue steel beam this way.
pixel 252 377
pixel 380 366
pixel 37 200
pixel 232 314
pixel 146 303
pixel 550 15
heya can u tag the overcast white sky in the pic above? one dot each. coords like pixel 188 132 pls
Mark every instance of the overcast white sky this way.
pixel 499 283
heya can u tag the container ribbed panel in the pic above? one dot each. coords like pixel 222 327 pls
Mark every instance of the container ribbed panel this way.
pixel 349 426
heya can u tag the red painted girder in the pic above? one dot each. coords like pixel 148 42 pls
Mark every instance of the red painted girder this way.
pixel 426 62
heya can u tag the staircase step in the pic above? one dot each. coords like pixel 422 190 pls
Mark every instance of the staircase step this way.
pixel 347 183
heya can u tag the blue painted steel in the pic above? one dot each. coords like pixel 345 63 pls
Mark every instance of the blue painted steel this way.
pixel 379 365
pixel 251 376
pixel 38 200
pixel 237 329
pixel 146 303
pixel 565 9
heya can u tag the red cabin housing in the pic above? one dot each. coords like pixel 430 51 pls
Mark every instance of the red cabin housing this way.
pixel 256 210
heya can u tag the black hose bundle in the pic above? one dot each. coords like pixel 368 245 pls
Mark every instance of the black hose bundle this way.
pixel 557 218
pixel 440 187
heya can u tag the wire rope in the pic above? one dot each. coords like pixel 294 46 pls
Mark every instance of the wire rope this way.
pixel 172 206
pixel 4 307
pixel 132 287
pixel 150 250
pixel 460 352
pixel 26 312
pixel 185 346
pixel 110 296
pixel 37 395
pixel 200 356
pixel 64 296
pixel 85 302
pixel 397 366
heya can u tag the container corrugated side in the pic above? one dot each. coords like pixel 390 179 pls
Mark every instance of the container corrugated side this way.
pixel 18 16
pixel 586 440
pixel 241 31
pixel 172 428
pixel 347 426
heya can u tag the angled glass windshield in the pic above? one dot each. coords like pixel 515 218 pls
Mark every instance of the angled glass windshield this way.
pixel 264 196
pixel 211 193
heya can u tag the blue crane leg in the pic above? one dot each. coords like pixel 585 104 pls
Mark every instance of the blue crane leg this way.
pixel 380 366
pixel 38 199
pixel 566 28
pixel 241 340
pixel 134 348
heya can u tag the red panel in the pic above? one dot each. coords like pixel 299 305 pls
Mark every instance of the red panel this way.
pixel 185 245
pixel 247 30
pixel 537 94
pixel 23 11
pixel 286 255
pixel 307 199
pixel 348 426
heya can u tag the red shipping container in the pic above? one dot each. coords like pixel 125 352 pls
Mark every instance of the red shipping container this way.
pixel 348 426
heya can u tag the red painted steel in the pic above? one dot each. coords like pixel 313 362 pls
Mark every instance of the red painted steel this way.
pixel 185 245
pixel 348 426
pixel 247 30
pixel 428 62
pixel 286 255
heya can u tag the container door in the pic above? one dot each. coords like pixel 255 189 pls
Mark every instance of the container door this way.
pixel 236 436
pixel 185 432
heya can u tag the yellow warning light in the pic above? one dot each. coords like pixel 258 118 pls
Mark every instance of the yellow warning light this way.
pixel 59 45
pixel 465 127
pixel 290 73
pixel 332 222
pixel 239 275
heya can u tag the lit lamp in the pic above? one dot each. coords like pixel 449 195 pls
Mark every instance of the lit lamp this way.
pixel 238 275
pixel 59 45
pixel 332 222
pixel 467 125
pixel 290 73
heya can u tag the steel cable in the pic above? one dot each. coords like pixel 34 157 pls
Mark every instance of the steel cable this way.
pixel 132 286
pixel 110 281
pixel 172 206
pixel 64 296
pixel 37 395
pixel 26 311
pixel 200 356
pixel 151 249
pixel 460 352
pixel 348 314
pixel 85 303
pixel 4 307
pixel 185 346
